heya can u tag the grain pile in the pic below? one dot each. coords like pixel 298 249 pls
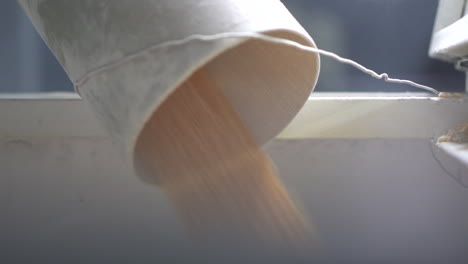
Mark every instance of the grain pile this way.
pixel 223 186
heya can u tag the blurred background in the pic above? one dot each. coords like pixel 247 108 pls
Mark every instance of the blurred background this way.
pixel 386 36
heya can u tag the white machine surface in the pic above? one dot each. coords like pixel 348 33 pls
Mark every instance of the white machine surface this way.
pixel 67 196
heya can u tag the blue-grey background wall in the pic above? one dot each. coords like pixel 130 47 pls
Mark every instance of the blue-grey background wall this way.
pixel 388 36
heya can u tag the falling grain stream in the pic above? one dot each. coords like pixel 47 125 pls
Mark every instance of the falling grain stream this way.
pixel 224 188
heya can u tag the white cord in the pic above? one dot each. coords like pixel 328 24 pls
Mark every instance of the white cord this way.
pixel 253 35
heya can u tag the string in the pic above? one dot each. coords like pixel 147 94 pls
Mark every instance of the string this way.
pixel 226 35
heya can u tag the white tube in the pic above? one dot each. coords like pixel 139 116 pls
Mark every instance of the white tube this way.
pixel 266 82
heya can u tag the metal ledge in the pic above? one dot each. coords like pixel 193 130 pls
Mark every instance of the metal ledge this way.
pixel 369 116
pixel 455 161
pixel 325 115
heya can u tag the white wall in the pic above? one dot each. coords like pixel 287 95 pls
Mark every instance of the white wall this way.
pixel 72 200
